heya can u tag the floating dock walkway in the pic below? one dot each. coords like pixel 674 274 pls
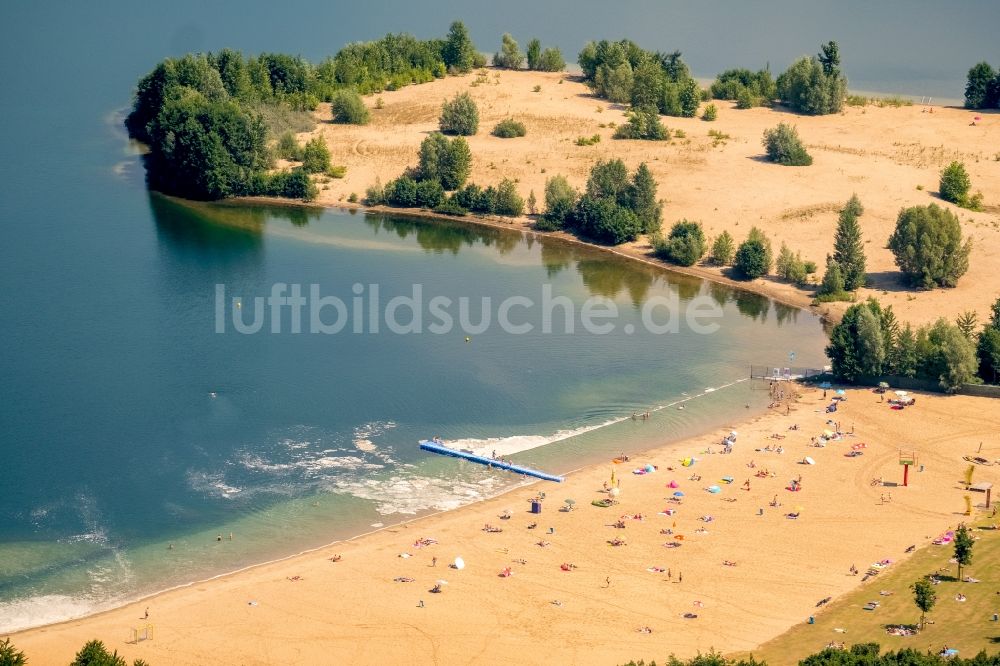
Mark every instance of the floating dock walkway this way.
pixel 434 447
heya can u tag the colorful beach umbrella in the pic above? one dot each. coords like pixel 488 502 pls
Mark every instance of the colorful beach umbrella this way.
pixel 678 494
pixel 841 391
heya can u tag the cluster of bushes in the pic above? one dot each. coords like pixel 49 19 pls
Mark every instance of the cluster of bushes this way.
pixel 623 72
pixel 982 87
pixel 549 59
pixel 459 115
pixel 614 209
pixel 928 247
pixel 869 343
pixel 784 146
pixel 815 85
pixel 643 123
pixel 754 257
pixel 541 60
pixel 92 654
pixel 203 116
pixel 684 245
pixel 955 185
pixel 792 267
pixel 749 89
pixel 444 164
pixel 508 128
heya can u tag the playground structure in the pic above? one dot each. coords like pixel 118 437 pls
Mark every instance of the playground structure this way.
pixel 141 633
pixel 907 459
pixel 437 447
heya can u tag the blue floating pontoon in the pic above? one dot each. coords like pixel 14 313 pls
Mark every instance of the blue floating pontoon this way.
pixel 434 447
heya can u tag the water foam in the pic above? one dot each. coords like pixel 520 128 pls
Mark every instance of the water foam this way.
pixel 410 495
pixel 25 613
pixel 511 444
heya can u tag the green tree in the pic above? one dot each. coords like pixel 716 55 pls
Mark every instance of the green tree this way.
pixel 10 655
pixel 710 113
pixel 784 146
pixel 509 56
pixel 790 266
pixel 689 96
pixel 685 245
pixel 751 259
pixel 813 87
pixel 963 548
pixel 848 248
pixel 928 246
pixel 648 81
pixel 858 346
pixel 966 323
pixel 507 200
pixel 534 54
pixel 903 359
pixel 955 183
pixel 642 200
pixel 348 107
pixel 560 199
pixel 614 83
pixel 947 355
pixel 981 88
pixel 445 160
pixel 758 235
pixel 458 51
pixel 532 203
pixel 460 115
pixel 605 221
pixel 833 282
pixel 95 654
pixel 723 249
pixel 988 352
pixel 829 58
pixel 551 60
pixel 924 596
pixel 315 156
pixel 609 180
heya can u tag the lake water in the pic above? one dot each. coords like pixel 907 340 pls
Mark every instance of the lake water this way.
pixel 129 424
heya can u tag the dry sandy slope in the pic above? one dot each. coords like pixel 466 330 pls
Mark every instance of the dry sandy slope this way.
pixel 351 611
pixel 882 154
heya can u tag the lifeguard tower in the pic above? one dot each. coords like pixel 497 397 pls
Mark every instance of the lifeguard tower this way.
pixel 907 459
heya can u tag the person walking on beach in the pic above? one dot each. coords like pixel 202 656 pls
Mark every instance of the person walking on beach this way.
pixel 434 561
pixel 607 582
pixel 421 604
pixel 680 577
pixel 146 615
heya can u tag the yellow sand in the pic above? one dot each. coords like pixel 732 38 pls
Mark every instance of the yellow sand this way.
pixel 352 611
pixel 882 154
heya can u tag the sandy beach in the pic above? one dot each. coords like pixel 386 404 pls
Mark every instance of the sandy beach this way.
pixel 881 153
pixel 365 609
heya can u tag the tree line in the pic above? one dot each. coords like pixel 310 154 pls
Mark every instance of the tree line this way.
pixel 203 116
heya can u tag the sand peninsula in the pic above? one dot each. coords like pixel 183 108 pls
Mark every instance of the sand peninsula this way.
pixel 883 154
pixel 726 570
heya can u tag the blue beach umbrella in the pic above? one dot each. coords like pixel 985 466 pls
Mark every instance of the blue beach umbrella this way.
pixel 678 494
pixel 825 385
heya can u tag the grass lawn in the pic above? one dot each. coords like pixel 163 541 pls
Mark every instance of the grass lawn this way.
pixel 966 626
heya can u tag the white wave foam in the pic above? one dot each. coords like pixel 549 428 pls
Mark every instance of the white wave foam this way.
pixel 413 494
pixel 211 484
pixel 18 614
pixel 505 446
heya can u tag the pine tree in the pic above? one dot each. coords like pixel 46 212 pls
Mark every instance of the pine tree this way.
pixel 848 248
pixel 642 199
